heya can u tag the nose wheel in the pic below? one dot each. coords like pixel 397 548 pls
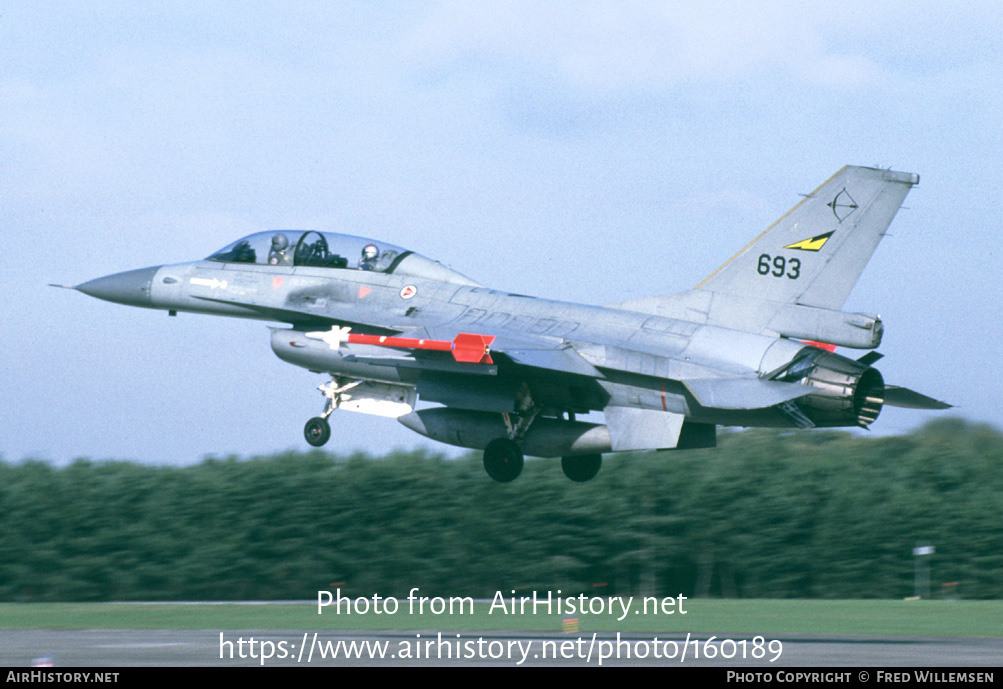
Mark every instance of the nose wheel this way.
pixel 317 431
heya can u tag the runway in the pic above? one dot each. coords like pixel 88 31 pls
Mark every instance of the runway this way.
pixel 162 648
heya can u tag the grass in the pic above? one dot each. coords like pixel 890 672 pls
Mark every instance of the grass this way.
pixel 767 617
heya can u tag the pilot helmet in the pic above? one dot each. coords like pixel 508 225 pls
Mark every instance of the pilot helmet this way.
pixel 279 242
pixel 370 252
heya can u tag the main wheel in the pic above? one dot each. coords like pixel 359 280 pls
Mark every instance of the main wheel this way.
pixel 503 460
pixel 582 468
pixel 317 431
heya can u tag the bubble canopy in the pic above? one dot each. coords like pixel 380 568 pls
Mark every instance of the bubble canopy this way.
pixel 310 248
pixel 314 249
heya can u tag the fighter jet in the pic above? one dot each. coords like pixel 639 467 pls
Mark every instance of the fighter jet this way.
pixel 752 345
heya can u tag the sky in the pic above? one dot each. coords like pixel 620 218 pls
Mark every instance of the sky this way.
pixel 591 152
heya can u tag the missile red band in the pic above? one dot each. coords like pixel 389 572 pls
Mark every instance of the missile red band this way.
pixel 468 348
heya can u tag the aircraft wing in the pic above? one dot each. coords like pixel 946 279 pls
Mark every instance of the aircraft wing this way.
pixel 556 356
pixel 560 359
pixel 553 354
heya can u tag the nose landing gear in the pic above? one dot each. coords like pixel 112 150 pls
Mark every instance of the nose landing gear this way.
pixel 317 430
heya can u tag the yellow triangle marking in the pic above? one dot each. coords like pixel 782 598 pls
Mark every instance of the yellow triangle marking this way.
pixel 812 243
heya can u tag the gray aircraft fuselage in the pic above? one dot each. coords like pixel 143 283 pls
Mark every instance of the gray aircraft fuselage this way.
pixel 666 371
pixel 644 356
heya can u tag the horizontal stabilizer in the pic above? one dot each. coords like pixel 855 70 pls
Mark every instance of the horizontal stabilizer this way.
pixel 896 396
pixel 870 358
pixel 744 393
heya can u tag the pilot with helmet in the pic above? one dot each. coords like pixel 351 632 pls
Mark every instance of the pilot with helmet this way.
pixel 370 255
pixel 277 256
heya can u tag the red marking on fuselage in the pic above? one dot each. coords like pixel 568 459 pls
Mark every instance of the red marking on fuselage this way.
pixel 821 345
pixel 363 291
pixel 277 282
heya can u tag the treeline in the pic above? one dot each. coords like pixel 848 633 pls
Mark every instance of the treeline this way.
pixel 781 515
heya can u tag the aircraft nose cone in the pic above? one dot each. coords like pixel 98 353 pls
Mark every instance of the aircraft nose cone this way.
pixel 131 287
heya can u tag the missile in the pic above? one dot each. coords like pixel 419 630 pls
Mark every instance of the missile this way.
pixel 468 348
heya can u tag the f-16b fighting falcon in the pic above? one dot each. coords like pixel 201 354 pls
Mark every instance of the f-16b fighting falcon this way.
pixel 751 345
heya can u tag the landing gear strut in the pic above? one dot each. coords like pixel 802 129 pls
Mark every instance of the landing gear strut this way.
pixel 503 460
pixel 317 430
pixel 581 468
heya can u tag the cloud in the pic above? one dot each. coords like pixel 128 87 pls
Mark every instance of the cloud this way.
pixel 621 48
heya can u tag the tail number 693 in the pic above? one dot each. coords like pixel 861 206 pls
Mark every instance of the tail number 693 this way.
pixel 778 266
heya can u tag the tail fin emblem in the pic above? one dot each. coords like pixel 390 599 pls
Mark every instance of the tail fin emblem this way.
pixel 843 205
pixel 812 243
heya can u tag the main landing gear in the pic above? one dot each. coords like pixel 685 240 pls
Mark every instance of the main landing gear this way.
pixel 503 458
pixel 317 430
pixel 581 468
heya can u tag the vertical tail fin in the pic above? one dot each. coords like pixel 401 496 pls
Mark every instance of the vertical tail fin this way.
pixel 815 253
